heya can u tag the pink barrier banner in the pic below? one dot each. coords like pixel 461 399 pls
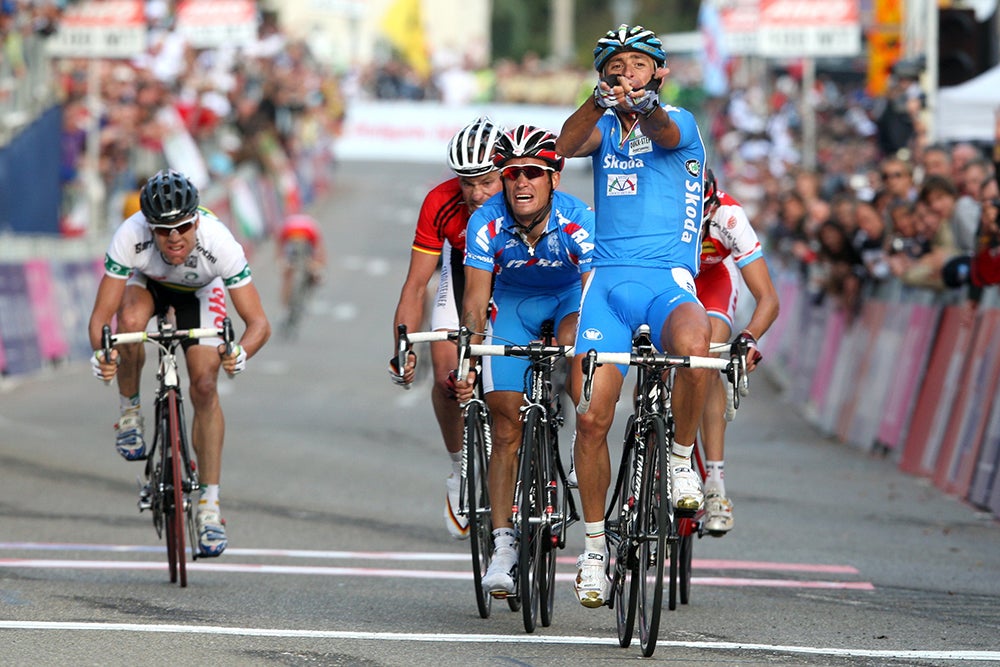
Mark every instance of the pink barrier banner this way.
pixel 858 419
pixel 909 332
pixel 3 357
pixel 985 488
pixel 827 366
pixel 806 349
pixel 964 436
pixel 779 340
pixel 42 294
pixel 937 393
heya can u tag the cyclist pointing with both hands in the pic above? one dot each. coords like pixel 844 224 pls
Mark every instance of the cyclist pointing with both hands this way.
pixel 173 253
pixel 535 242
pixel 648 161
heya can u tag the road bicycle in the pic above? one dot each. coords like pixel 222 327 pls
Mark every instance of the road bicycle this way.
pixel 477 445
pixel 543 507
pixel 641 522
pixel 171 476
pixel 303 281
pixel 690 527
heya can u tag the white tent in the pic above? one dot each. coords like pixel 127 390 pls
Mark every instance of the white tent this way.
pixel 966 112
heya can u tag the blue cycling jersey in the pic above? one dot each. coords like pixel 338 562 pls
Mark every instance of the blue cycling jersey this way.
pixel 562 252
pixel 648 199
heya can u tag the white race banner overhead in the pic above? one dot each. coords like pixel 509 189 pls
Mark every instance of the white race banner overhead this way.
pixel 109 29
pixel 214 23
pixel 809 28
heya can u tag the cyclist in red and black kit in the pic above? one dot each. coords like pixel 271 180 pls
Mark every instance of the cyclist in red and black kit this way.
pixel 729 249
pixel 440 235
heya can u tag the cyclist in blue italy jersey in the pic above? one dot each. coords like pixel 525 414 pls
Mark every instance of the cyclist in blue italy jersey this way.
pixel 648 160
pixel 532 243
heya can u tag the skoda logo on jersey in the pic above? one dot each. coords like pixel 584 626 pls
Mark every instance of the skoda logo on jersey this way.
pixel 190 276
pixel 593 334
pixel 693 167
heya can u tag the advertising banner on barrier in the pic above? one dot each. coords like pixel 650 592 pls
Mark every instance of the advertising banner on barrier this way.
pixel 76 287
pixel 909 332
pixel 420 131
pixel 17 323
pixel 857 423
pixel 963 437
pixel 937 394
pixel 42 295
pixel 827 379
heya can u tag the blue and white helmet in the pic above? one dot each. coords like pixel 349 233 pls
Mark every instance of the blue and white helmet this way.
pixel 627 38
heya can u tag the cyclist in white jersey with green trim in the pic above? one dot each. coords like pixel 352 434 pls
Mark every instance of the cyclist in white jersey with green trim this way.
pixel 174 253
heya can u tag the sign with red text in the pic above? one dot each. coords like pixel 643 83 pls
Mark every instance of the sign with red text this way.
pixel 209 24
pixel 740 19
pixel 809 28
pixel 109 29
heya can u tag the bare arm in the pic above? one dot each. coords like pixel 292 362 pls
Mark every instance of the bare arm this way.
pixel 758 281
pixel 410 310
pixel 109 297
pixel 579 134
pixel 478 284
pixel 246 301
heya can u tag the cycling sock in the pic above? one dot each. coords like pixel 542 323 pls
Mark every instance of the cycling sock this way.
pixel 503 537
pixel 680 455
pixel 209 494
pixel 594 540
pixel 456 462
pixel 126 403
pixel 715 477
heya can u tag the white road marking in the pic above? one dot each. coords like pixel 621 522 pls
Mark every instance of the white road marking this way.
pixel 964 656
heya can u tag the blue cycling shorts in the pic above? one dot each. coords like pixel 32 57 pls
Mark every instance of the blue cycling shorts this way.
pixel 517 320
pixel 618 299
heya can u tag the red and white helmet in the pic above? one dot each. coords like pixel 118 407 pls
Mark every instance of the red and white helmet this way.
pixel 528 141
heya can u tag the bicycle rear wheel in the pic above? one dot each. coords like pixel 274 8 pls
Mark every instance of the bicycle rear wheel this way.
pixel 477 500
pixel 176 516
pixel 622 522
pixel 529 503
pixel 685 544
pixel 654 519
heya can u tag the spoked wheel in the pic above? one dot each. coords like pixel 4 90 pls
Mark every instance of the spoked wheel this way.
pixel 176 514
pixel 548 501
pixel 622 513
pixel 529 502
pixel 654 517
pixel 685 549
pixel 477 502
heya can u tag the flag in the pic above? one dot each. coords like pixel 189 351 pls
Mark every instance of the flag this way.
pixel 716 83
pixel 403 27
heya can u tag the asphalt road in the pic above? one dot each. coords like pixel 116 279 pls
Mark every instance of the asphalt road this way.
pixel 333 492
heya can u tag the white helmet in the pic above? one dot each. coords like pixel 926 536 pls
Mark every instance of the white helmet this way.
pixel 470 152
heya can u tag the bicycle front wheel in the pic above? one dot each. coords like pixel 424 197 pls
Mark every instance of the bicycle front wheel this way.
pixel 548 535
pixel 654 518
pixel 530 501
pixel 477 500
pixel 176 516
pixel 622 515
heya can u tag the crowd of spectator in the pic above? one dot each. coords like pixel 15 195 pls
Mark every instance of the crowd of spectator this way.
pixel 884 212
pixel 265 103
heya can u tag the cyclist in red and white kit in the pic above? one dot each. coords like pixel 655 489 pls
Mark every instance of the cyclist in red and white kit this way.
pixel 440 235
pixel 730 249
